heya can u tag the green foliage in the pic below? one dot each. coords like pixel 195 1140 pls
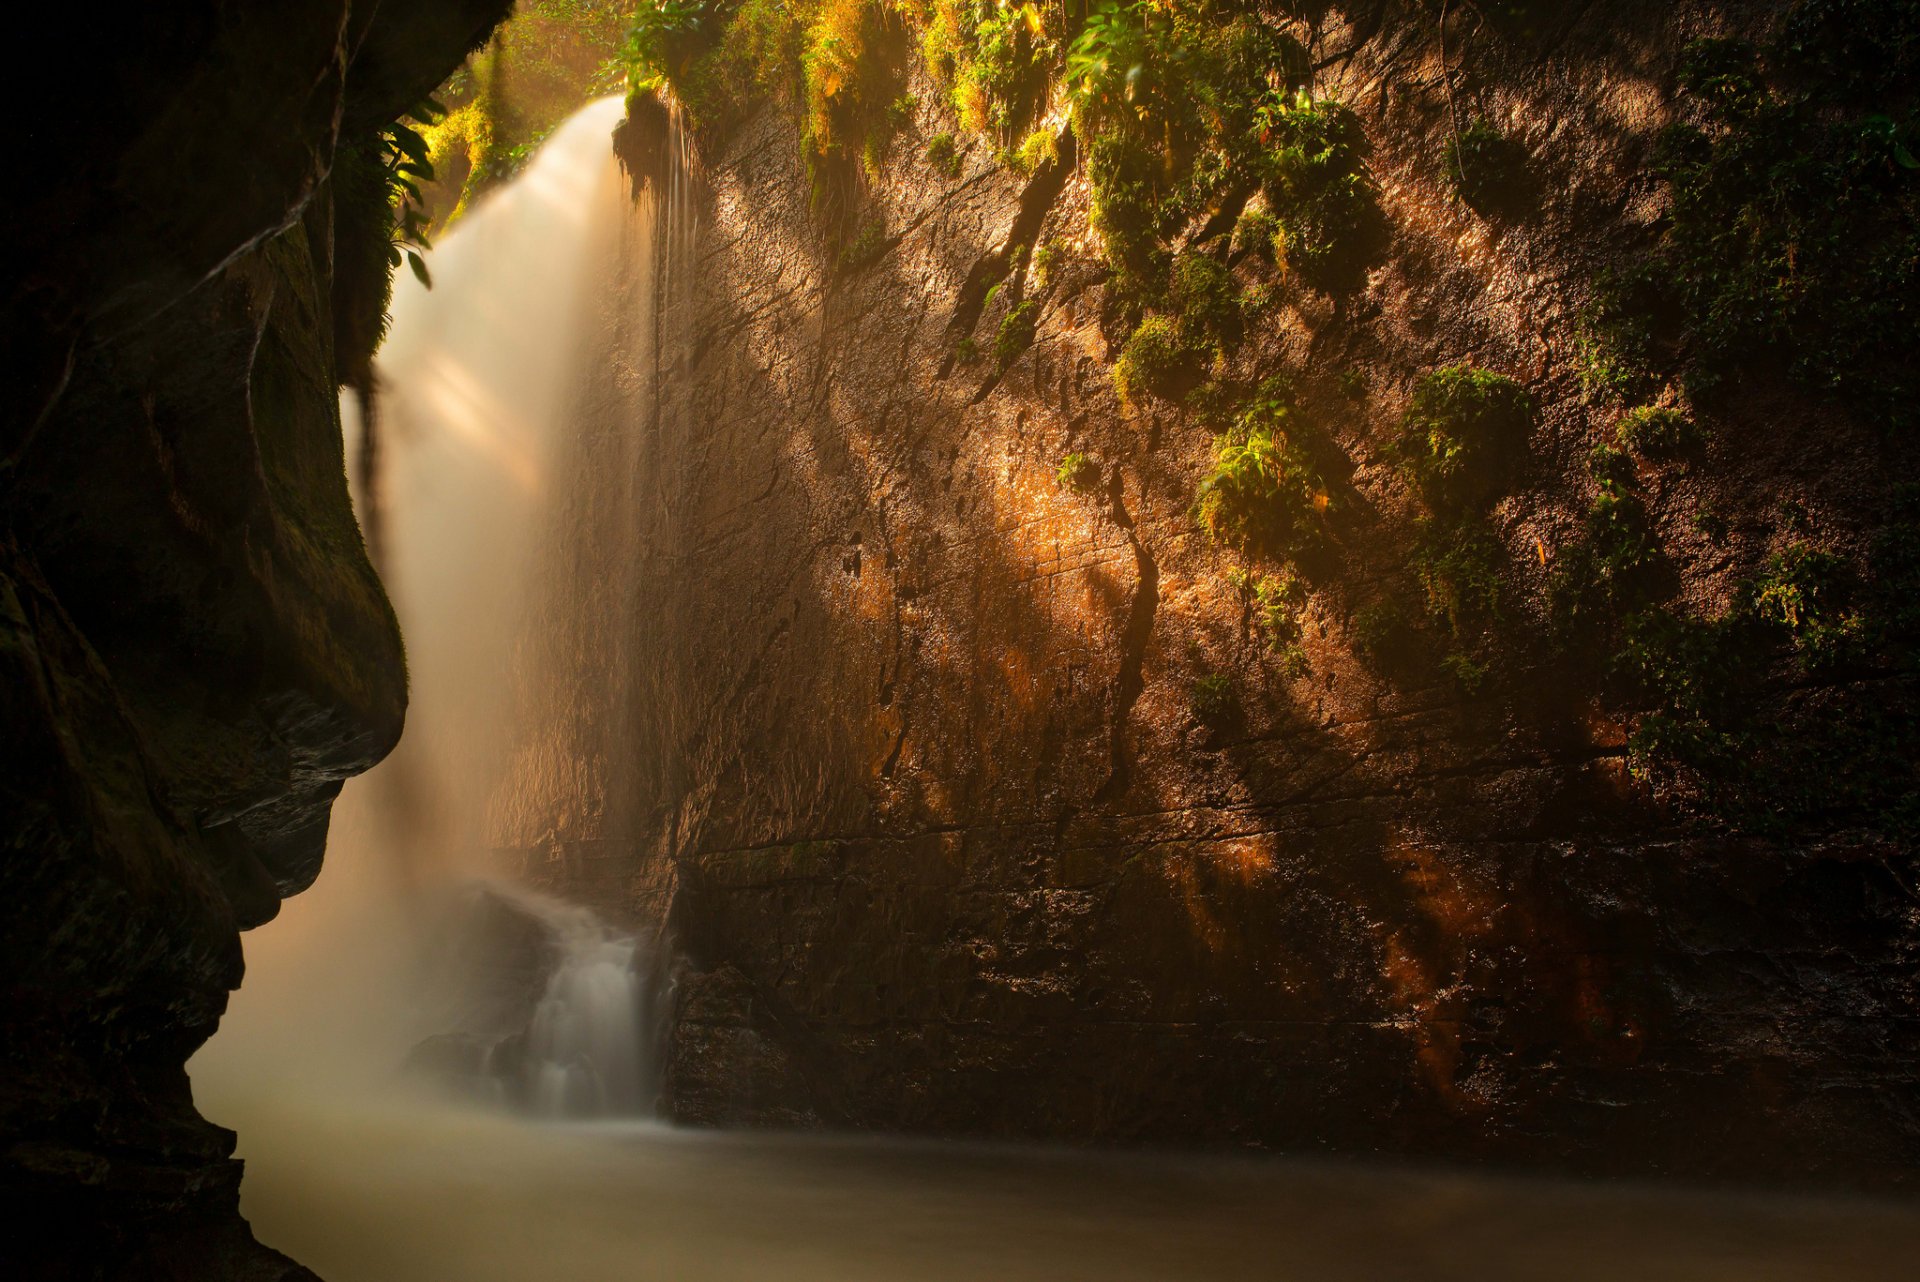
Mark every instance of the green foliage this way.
pixel 865 248
pixel 1657 432
pixel 1805 593
pixel 1205 302
pixel 1467 672
pixel 1795 225
pixel 1263 493
pixel 966 351
pixel 1459 571
pixel 1484 167
pixel 1078 473
pixel 1016 333
pixel 380 222
pixel 1460 434
pixel 1614 336
pixel 1314 174
pixel 1152 361
pixel 1215 701
pixel 944 155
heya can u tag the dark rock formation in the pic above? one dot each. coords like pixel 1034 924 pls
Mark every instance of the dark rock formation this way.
pixel 945 844
pixel 194 650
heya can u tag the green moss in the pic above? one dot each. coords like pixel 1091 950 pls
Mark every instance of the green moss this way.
pixel 1805 594
pixel 1614 335
pixel 1460 435
pixel 1205 302
pixel 1263 494
pixel 1316 182
pixel 864 248
pixel 1153 360
pixel 1016 333
pixel 1215 701
pixel 1657 432
pixel 1079 473
pixel 944 155
pixel 1258 233
pixel 1795 226
pixel 1459 571
pixel 1468 673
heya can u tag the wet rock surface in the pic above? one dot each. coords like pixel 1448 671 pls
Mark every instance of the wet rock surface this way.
pixel 945 845
pixel 194 650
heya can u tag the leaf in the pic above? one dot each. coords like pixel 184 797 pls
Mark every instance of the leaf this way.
pixel 419 266
pixel 1905 157
pixel 409 143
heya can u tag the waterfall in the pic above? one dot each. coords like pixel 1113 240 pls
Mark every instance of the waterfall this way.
pixel 477 898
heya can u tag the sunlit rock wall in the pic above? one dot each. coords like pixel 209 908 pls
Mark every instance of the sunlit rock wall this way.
pixel 944 844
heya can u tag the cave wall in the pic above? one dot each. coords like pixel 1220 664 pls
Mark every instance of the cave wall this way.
pixel 196 650
pixel 945 845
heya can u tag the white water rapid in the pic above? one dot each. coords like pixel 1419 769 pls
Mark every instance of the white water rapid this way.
pixel 528 428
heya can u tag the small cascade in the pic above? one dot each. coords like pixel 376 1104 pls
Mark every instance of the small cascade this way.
pixel 538 1005
pixel 585 1048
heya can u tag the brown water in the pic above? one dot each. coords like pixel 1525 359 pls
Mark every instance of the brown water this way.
pixel 419 1192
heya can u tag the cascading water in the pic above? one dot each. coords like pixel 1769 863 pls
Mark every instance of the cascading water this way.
pixel 518 398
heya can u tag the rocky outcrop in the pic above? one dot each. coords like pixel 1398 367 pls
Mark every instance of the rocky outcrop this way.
pixel 194 649
pixel 947 843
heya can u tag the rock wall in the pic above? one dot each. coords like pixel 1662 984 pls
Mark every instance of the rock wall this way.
pixel 194 649
pixel 944 843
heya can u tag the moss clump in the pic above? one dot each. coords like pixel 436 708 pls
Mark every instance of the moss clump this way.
pixel 1215 701
pixel 1460 434
pixel 1316 182
pixel 1155 357
pixel 1611 570
pixel 1079 473
pixel 1657 432
pixel 1274 602
pixel 1205 302
pixel 1016 333
pixel 1263 494
pixel 864 248
pixel 1259 234
pixel 1795 226
pixel 1459 571
pixel 1614 337
pixel 944 155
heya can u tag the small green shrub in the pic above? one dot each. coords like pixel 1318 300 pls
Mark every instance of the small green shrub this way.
pixel 1214 699
pixel 1205 302
pixel 1153 359
pixel 1316 182
pixel 1263 493
pixel 944 155
pixel 1460 434
pixel 1598 580
pixel 1041 147
pixel 1615 332
pixel 1078 473
pixel 1467 672
pixel 1459 571
pixel 1657 432
pixel 966 351
pixel 1806 593
pixel 1016 333
pixel 865 249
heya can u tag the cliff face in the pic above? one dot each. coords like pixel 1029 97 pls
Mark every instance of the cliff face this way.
pixel 194 650
pixel 982 803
